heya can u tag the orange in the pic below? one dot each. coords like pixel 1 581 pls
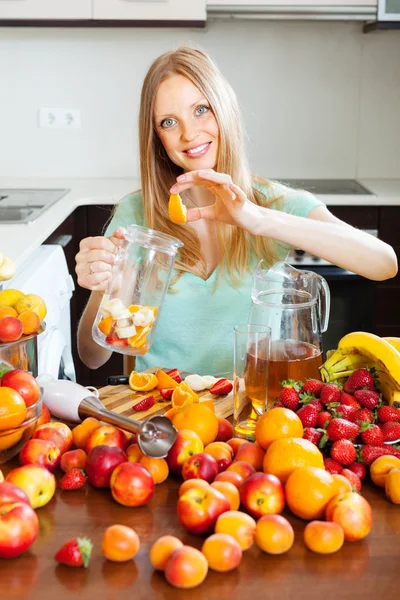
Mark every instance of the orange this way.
pixel 170 413
pixel 31 302
pixel 323 537
pixel 136 307
pixel 381 467
pixel 12 408
pixel 176 209
pixel 285 455
pixel 274 534
pixel 199 419
pixel 142 382
pixel 105 325
pixel 8 311
pixel 30 322
pixel 139 339
pixel 308 491
pixel 392 486
pixel 157 467
pixel 183 395
pixel 165 382
pixel 277 423
pixel 120 543
pixel 9 440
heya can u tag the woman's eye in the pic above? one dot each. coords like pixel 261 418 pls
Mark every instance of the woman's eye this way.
pixel 201 110
pixel 167 123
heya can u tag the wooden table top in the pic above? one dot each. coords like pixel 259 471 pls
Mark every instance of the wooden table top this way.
pixel 363 570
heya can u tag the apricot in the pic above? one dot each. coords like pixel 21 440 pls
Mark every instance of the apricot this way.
pixel 192 483
pixel 222 453
pixel 243 468
pixel 186 568
pixel 252 454
pixel 381 467
pixel 274 534
pixel 222 551
pixel 120 543
pixel 239 525
pixel 162 549
pixel 82 431
pixel 73 459
pixel 235 442
pixel 230 491
pixel 231 477
pixel 157 467
pixel 323 537
pixel 134 453
pixel 392 486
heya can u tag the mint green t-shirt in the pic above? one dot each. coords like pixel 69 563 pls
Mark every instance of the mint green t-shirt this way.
pixel 195 328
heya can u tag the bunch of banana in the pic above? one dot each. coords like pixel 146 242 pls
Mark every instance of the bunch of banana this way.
pixel 7 268
pixel 365 350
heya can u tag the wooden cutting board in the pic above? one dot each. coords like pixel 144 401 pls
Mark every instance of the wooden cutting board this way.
pixel 120 399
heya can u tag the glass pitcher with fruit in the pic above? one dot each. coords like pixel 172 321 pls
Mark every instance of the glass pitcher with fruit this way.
pixel 130 308
pixel 295 305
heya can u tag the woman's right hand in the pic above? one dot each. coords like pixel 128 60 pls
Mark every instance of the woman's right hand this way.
pixel 96 258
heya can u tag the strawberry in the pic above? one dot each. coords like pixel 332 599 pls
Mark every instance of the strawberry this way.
pixel 144 404
pixel 113 340
pixel 318 404
pixel 330 393
pixel 308 415
pixel 73 480
pixel 313 386
pixel 345 412
pixel 166 393
pixel 323 418
pixel 372 434
pixel 390 431
pixel 359 379
pixel 289 395
pixel 277 404
pixel 332 466
pixel 221 387
pixel 369 453
pixel 358 469
pixel 339 429
pixel 343 452
pixel 367 398
pixel 388 413
pixel 363 415
pixel 75 553
pixel 176 376
pixel 312 435
pixel 348 400
pixel 353 478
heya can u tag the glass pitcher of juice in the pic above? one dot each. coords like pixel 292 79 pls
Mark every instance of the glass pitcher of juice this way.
pixel 130 308
pixel 295 305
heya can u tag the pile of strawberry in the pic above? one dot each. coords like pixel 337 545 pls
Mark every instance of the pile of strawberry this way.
pixel 349 423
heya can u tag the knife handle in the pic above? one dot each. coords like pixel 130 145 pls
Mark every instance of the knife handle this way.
pixel 117 379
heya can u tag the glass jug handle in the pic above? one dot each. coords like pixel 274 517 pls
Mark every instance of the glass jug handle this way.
pixel 324 303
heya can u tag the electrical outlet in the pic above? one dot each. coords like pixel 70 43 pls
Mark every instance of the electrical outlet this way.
pixel 59 118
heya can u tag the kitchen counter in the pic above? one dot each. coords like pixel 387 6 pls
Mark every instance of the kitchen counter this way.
pixel 18 241
pixel 366 570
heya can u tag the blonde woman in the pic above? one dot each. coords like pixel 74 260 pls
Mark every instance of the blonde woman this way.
pixel 191 143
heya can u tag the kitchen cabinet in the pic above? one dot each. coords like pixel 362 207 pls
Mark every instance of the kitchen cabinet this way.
pixel 45 9
pixel 299 9
pixel 150 10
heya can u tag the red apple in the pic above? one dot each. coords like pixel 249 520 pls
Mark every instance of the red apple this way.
pixel 40 452
pixel 199 508
pixel 187 444
pixel 37 482
pixel 24 383
pixel 10 493
pixel 101 462
pixel 106 435
pixel 53 431
pixel 131 484
pixel 262 494
pixel 200 466
pixel 19 527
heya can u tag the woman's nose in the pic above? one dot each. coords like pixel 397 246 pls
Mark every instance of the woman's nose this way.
pixel 189 131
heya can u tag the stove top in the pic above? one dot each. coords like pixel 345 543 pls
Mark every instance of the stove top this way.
pixel 26 205
pixel 333 187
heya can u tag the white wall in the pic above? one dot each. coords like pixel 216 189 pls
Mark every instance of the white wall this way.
pixel 318 99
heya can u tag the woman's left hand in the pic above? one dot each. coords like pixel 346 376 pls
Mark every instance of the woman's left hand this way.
pixel 231 204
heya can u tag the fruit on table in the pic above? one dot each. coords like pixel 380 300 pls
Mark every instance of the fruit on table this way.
pixel 222 453
pixel 323 537
pixel 221 387
pixel 11 329
pixel 162 549
pixel 235 443
pixel 12 408
pixel 199 508
pixel 176 209
pixel 144 404
pixel 225 430
pixel 37 482
pixel 101 462
pixel 165 381
pixel 40 452
pixel 262 494
pixel 120 543
pixel 200 466
pixel 19 527
pixel 392 486
pixel 274 534
pixel 239 525
pixel 230 477
pixel 200 419
pixel 222 551
pixel 142 382
pixel 81 432
pixel 287 454
pixel 106 435
pixel 183 395
pixel 251 453
pixel 75 553
pixel 24 383
pixel 308 491
pixel 157 467
pixel 57 432
pixel 186 568
pixel 353 513
pixel 187 444
pixel 134 453
pixel 131 484
pixel 341 484
pixel 73 459
pixel 230 492
pixel 7 268
pixel 353 479
pixel 10 493
pixel 244 469
pixel 381 467
pixel 192 483
pixel 74 479
pixel 275 424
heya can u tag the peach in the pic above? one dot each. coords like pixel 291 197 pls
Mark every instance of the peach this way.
pixel 262 494
pixel 187 444
pixel 222 551
pixel 1 476
pixel 252 454
pixel 40 452
pixel 222 453
pixel 341 484
pixel 392 486
pixel 134 453
pixel 131 484
pixel 186 568
pixel 199 508
pixel 353 513
pixel 157 467
pixel 230 492
pixel 243 468
pixel 73 459
pixel 200 466
pixel 231 477
pixel 53 431
pixel 44 417
pixel 274 534
pixel 37 483
pixel 239 525
pixel 82 431
pixel 323 537
pixel 381 467
pixel 192 483
pixel 106 435
pixel 162 549
pixel 235 442
pixel 225 430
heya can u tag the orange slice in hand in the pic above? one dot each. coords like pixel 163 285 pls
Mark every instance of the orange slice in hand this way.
pixel 176 210
pixel 142 382
pixel 165 382
pixel 183 395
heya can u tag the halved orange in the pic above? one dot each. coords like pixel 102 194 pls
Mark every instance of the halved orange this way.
pixel 105 325
pixel 176 210
pixel 142 382
pixel 183 395
pixel 165 382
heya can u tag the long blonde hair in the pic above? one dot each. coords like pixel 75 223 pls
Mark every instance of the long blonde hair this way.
pixel 158 172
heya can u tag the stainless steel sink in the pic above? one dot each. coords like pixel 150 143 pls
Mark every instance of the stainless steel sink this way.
pixel 18 206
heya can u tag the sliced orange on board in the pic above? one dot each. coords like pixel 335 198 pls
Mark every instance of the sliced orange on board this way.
pixel 176 209
pixel 142 382
pixel 165 381
pixel 183 395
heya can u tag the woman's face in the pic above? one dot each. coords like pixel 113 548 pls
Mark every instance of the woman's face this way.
pixel 185 124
